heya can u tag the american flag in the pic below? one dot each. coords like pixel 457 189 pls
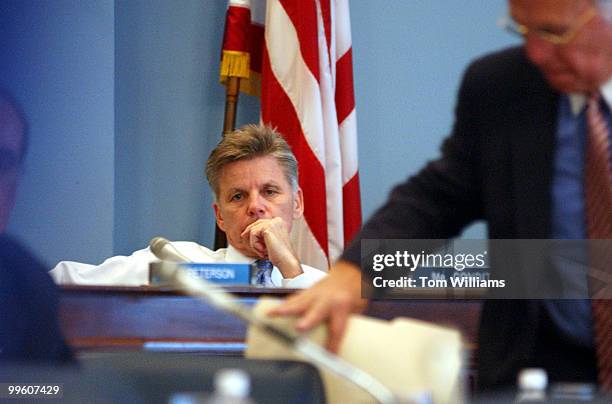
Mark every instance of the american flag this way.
pixel 300 53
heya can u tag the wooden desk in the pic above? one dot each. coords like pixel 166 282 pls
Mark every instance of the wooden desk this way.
pixel 152 318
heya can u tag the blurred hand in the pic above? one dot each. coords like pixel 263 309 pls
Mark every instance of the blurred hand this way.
pixel 270 239
pixel 331 300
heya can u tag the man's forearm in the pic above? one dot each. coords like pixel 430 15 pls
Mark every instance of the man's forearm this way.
pixel 290 267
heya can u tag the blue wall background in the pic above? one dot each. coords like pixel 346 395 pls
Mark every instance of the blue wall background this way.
pixel 57 57
pixel 125 106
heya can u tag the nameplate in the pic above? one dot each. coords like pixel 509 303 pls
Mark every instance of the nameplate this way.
pixel 220 273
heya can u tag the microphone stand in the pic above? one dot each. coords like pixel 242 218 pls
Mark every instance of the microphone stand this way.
pixel 219 298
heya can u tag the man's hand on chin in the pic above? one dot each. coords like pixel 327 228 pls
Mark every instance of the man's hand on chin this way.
pixel 331 300
pixel 270 239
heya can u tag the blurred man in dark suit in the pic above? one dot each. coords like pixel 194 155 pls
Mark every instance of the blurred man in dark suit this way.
pixel 522 157
pixel 29 330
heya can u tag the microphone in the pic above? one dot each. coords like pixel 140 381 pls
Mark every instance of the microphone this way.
pixel 164 250
pixel 225 301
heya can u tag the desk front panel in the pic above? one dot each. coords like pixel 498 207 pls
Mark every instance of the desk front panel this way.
pixel 108 318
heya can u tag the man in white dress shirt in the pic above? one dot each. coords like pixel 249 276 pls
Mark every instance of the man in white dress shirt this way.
pixel 254 177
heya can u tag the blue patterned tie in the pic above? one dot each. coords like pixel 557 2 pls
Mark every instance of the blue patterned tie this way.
pixel 263 276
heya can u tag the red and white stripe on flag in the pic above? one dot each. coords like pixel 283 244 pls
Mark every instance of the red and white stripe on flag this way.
pixel 307 94
pixel 304 56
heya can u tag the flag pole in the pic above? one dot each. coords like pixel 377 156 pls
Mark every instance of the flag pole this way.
pixel 232 91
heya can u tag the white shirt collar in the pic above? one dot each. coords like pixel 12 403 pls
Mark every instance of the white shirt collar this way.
pixel 578 101
pixel 233 255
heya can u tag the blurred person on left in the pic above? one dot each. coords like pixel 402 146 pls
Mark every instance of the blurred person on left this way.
pixel 29 328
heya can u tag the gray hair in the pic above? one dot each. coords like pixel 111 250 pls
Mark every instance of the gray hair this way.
pixel 249 142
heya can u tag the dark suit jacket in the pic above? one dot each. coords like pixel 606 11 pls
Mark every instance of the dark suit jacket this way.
pixel 497 166
pixel 29 329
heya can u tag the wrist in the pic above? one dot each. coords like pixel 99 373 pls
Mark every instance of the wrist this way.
pixel 290 268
